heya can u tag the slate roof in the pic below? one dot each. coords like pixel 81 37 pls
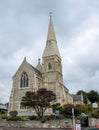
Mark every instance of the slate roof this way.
pixel 36 71
pixel 76 98
pixel 65 88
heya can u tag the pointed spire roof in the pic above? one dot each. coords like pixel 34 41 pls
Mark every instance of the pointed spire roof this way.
pixel 51 43
pixel 51 34
pixel 39 66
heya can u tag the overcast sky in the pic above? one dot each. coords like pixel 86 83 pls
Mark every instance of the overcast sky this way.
pixel 23 33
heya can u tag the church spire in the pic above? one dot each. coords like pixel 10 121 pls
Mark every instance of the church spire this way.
pixel 51 34
pixel 51 48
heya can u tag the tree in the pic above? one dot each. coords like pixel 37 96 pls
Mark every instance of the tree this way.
pixel 68 109
pixel 93 96
pixel 40 100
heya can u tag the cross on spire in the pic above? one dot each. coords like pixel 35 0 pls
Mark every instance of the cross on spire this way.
pixel 50 15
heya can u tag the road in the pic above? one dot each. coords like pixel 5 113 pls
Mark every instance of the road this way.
pixel 40 129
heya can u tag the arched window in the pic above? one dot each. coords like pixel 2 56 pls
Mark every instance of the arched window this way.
pixel 49 66
pixel 24 80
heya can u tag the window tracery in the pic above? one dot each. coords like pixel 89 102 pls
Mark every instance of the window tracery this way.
pixel 24 80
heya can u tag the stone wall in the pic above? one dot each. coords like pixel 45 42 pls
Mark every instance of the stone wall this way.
pixel 93 122
pixel 37 124
pixel 66 123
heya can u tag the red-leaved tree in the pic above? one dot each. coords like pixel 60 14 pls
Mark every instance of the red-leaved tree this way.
pixel 40 100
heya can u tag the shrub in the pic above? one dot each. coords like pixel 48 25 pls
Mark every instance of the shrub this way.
pixel 18 118
pixel 23 118
pixel 13 118
pixel 13 113
pixel 94 115
pixel 50 117
pixel 3 112
pixel 43 120
pixel 88 108
pixel 4 116
pixel 32 117
pixel 38 118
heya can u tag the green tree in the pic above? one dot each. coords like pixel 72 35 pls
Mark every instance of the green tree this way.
pixel 40 100
pixel 88 108
pixel 81 91
pixel 93 96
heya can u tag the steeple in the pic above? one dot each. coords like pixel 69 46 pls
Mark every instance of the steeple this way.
pixel 51 34
pixel 51 65
pixel 51 43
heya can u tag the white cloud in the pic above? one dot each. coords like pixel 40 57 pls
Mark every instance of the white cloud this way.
pixel 23 33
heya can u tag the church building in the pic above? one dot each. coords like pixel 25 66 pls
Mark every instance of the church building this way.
pixel 47 74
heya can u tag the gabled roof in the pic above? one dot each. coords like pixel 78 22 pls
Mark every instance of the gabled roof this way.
pixel 25 63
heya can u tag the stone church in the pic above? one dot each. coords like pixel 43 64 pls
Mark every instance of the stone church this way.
pixel 47 74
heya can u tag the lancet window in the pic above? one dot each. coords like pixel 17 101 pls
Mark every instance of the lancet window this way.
pixel 24 80
pixel 49 66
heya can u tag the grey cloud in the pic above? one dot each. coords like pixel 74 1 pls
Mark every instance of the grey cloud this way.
pixel 23 32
